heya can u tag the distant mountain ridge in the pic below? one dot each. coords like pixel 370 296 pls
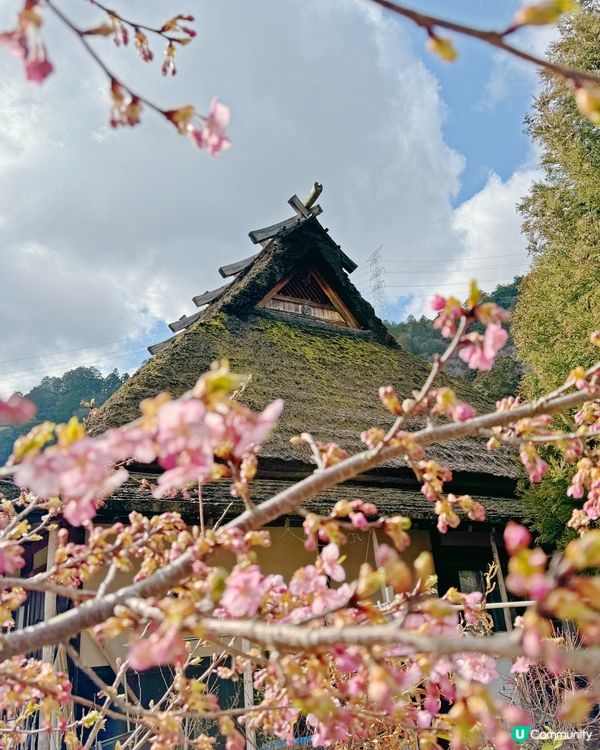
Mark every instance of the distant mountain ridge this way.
pixel 59 398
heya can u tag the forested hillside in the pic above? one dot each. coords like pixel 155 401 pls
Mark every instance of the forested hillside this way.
pixel 59 398
pixel 559 302
pixel 419 337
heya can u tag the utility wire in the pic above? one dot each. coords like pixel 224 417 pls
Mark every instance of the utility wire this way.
pixel 76 362
pixel 64 351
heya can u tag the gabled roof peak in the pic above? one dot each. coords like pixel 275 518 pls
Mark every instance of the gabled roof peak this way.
pixel 297 242
pixel 302 209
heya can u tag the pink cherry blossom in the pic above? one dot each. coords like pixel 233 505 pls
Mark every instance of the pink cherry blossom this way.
pixel 135 443
pixel 243 592
pixel 480 352
pixel 307 580
pixel 248 430
pixel 187 468
pixel 326 600
pixel 212 134
pixel 37 71
pixel 180 426
pixel 591 507
pixel 516 537
pixel 479 667
pixel 330 558
pixel 235 741
pixel 157 650
pixel 17 409
pixel 438 302
pixel 462 411
pixel 522 664
pixel 535 466
pixel 11 557
pixel 80 474
pixel 359 520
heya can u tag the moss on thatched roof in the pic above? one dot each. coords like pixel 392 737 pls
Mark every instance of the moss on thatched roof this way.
pixel 328 377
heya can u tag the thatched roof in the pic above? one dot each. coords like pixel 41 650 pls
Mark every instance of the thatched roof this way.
pixel 219 505
pixel 327 375
pixel 328 378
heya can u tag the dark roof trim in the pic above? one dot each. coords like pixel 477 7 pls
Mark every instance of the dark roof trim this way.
pixel 210 296
pixel 155 348
pixel 184 321
pixel 234 268
pixel 266 233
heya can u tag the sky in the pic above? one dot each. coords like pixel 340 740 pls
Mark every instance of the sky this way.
pixel 106 235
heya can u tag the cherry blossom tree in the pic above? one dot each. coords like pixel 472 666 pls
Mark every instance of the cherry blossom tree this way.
pixel 352 670
pixel 411 673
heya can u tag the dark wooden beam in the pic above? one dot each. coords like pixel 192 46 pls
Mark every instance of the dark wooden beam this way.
pixel 234 268
pixel 155 348
pixel 210 296
pixel 260 235
pixel 299 207
pixel 182 323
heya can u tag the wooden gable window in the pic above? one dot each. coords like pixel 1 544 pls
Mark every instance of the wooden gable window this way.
pixel 307 293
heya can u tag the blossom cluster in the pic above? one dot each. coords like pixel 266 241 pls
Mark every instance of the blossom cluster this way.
pixel 194 440
pixel 25 40
pixel 478 350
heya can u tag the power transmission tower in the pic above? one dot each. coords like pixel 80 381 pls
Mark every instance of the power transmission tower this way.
pixel 377 281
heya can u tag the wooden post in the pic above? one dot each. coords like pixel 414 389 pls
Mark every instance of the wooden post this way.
pixel 47 740
pixel 501 582
pixel 248 697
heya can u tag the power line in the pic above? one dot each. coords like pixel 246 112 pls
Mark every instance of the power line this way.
pixel 76 362
pixel 456 268
pixel 64 351
pixel 442 283
pixel 438 258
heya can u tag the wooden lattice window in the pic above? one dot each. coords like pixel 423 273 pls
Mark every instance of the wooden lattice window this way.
pixel 303 286
pixel 307 293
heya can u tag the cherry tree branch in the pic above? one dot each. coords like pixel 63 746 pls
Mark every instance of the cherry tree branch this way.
pixel 493 38
pixel 309 639
pixel 68 624
pixel 98 60
pixel 34 584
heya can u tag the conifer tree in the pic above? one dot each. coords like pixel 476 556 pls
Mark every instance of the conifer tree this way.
pixel 559 300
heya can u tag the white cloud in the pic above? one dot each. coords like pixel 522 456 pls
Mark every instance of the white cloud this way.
pixel 484 242
pixel 509 72
pixel 105 233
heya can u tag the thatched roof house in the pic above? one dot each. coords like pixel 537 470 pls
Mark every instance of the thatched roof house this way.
pixel 292 320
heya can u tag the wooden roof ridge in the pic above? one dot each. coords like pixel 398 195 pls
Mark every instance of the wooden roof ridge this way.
pixel 232 269
pixel 210 295
pixel 250 272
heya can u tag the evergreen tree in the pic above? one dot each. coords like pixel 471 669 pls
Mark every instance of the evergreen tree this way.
pixel 59 398
pixel 559 301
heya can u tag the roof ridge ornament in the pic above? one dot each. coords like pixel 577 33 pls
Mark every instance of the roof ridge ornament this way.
pixel 303 209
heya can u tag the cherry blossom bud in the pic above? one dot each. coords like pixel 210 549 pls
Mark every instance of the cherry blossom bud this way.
pixel 575 708
pixel 545 12
pixel 516 537
pixel 389 398
pixel 585 552
pixel 587 98
pixel 443 48
pixel 17 409
pixel 424 567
